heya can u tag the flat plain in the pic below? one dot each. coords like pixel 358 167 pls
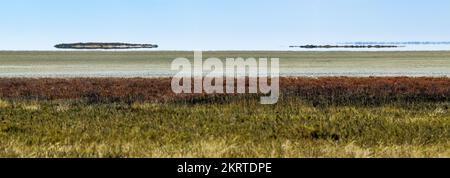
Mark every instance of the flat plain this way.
pixel 92 105
pixel 65 64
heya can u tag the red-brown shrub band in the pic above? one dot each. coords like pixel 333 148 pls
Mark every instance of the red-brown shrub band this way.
pixel 367 91
pixel 320 91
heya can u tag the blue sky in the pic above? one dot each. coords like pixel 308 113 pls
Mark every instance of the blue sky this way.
pixel 219 25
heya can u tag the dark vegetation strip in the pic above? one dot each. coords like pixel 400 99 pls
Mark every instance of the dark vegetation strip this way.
pixel 317 91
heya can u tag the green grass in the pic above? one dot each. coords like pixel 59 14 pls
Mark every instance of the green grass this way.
pixel 243 128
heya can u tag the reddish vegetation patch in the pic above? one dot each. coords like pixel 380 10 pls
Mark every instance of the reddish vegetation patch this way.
pixel 112 89
pixel 368 91
pixel 330 90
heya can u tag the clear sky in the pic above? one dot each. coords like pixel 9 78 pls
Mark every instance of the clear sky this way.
pixel 219 25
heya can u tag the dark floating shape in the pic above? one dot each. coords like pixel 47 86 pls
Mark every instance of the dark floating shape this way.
pixel 345 46
pixel 104 46
pixel 398 43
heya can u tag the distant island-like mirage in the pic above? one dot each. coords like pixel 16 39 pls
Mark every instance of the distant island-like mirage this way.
pixel 345 46
pixel 104 46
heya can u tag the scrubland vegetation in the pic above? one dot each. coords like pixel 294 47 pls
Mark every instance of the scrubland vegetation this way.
pixel 315 117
